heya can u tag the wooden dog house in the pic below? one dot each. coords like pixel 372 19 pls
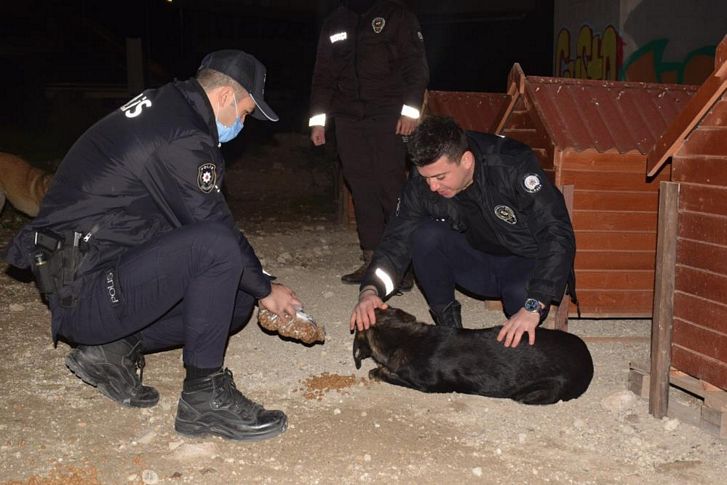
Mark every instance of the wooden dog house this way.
pixel 689 337
pixel 594 136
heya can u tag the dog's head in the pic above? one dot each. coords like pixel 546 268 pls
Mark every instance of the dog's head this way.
pixel 367 343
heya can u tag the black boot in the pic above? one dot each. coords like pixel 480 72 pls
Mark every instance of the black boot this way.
pixel 112 369
pixel 449 316
pixel 213 405
pixel 355 277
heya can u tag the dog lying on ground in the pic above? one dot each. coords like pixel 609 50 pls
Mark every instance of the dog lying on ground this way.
pixel 23 185
pixel 430 358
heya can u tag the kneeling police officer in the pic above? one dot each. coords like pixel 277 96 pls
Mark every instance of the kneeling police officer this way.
pixel 137 251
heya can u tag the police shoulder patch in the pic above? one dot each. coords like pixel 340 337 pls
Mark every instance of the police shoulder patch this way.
pixel 378 24
pixel 532 183
pixel 506 214
pixel 206 177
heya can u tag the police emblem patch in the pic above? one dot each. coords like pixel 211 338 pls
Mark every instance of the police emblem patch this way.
pixel 378 24
pixel 532 183
pixel 506 214
pixel 207 177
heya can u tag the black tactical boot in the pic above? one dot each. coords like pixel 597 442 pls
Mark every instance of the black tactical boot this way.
pixel 449 316
pixel 355 277
pixel 213 405
pixel 112 369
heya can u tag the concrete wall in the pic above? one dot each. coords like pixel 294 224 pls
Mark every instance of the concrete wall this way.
pixel 669 41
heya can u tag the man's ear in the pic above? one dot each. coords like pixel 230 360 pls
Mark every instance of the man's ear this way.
pixel 468 159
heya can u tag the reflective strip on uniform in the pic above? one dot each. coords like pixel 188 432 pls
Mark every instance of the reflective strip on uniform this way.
pixel 410 112
pixel 317 120
pixel 338 37
pixel 385 279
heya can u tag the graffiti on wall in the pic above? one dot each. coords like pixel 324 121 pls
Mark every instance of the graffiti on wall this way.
pixel 595 55
pixel 647 64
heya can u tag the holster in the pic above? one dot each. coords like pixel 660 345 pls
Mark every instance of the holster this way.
pixel 56 259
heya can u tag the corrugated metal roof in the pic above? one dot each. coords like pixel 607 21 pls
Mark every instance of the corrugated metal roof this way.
pixel 472 111
pixel 710 91
pixel 605 115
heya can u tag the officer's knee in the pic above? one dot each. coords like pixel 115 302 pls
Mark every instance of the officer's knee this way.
pixel 428 237
pixel 213 241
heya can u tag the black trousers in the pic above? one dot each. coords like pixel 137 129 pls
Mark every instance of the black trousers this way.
pixel 443 259
pixel 373 158
pixel 180 289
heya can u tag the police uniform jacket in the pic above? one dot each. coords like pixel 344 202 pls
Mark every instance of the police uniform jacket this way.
pixel 147 168
pixel 369 65
pixel 526 213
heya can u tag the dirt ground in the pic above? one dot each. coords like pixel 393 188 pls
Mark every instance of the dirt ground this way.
pixel 343 428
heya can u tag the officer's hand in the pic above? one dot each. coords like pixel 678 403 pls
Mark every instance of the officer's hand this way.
pixel 513 330
pixel 363 315
pixel 318 135
pixel 281 301
pixel 406 125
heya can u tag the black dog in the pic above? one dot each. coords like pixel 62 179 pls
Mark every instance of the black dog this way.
pixel 430 358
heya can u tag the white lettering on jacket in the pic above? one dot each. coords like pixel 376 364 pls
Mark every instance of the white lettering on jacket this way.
pixel 133 108
pixel 338 37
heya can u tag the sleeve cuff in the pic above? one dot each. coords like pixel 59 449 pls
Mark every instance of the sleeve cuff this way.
pixel 410 112
pixel 317 120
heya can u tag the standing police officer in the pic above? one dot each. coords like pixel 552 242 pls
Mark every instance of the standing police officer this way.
pixel 481 214
pixel 370 75
pixel 137 251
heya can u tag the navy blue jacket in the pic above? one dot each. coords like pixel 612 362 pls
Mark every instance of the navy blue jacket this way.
pixel 526 212
pixel 147 168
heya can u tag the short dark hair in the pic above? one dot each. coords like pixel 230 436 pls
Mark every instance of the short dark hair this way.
pixel 435 137
pixel 211 78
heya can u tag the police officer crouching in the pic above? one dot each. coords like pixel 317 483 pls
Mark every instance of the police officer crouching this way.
pixel 479 214
pixel 136 250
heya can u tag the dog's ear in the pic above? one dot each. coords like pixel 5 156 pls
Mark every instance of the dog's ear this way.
pixel 361 349
pixel 403 316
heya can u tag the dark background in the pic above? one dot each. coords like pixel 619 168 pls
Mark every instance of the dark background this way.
pixel 64 61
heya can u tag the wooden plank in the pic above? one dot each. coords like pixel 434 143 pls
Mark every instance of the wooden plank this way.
pixel 704 284
pixel 606 162
pixel 611 200
pixel 615 303
pixel 706 141
pixel 611 279
pixel 704 199
pixel 696 254
pixel 700 170
pixel 663 299
pixel 614 260
pixel 701 312
pixel 703 227
pixel 612 181
pixel 614 240
pixel 700 366
pixel 700 340
pixel 561 312
pixel 530 137
pixel 717 115
pixel 614 221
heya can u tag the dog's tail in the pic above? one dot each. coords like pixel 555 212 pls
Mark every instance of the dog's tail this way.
pixel 22 184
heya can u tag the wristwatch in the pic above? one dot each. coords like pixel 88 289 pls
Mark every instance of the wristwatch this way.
pixel 533 306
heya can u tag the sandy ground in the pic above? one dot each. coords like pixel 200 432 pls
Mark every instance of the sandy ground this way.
pixel 343 428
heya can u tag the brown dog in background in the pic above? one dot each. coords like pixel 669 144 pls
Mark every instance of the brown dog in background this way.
pixel 431 358
pixel 22 184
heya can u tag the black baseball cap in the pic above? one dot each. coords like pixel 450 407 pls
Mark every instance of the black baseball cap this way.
pixel 246 70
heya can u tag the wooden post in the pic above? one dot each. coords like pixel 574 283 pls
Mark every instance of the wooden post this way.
pixel 661 325
pixel 561 314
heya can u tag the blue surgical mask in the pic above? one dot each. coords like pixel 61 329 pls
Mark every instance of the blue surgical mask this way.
pixel 227 133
